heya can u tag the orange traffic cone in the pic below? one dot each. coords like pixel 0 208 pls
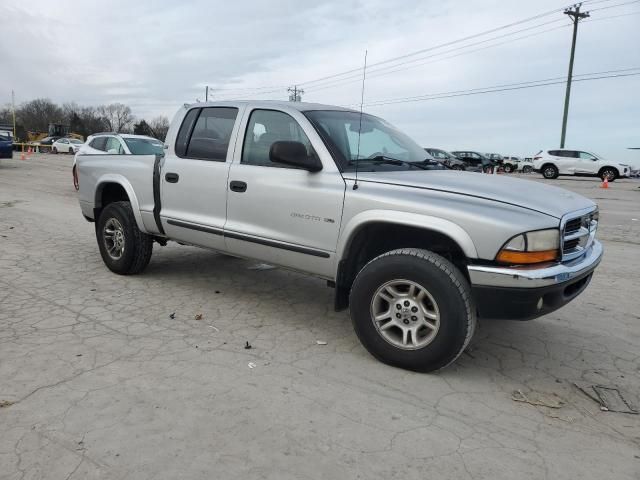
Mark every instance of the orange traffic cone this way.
pixel 605 183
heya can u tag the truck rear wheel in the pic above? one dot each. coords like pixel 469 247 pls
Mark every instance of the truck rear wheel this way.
pixel 413 309
pixel 124 248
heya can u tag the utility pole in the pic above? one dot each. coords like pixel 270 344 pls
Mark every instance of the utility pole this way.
pixel 206 93
pixel 576 15
pixel 295 94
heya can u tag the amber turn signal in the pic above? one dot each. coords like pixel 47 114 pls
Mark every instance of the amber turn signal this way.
pixel 520 258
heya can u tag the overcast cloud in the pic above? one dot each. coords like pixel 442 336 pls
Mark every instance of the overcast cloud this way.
pixel 154 56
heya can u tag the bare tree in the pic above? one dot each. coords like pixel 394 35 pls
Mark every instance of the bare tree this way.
pixel 159 126
pixel 37 114
pixel 117 116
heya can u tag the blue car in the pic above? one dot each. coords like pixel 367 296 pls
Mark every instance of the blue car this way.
pixel 6 145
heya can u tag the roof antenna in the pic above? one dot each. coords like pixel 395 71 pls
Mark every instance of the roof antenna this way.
pixel 364 76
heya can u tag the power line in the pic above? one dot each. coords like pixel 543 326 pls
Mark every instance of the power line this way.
pixel 626 72
pixel 391 69
pixel 435 47
pixel 324 82
pixel 627 14
pixel 388 70
pixel 614 6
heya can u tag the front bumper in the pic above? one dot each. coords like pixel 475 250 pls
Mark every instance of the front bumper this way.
pixel 525 293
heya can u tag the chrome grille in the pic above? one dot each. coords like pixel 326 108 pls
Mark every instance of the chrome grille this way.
pixel 573 225
pixel 578 231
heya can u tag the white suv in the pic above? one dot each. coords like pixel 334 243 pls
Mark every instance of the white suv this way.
pixel 121 144
pixel 116 144
pixel 552 163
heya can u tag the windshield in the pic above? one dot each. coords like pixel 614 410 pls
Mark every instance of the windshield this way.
pixel 144 146
pixel 339 130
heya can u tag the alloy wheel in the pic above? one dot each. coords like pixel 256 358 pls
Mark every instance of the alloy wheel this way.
pixel 405 314
pixel 114 240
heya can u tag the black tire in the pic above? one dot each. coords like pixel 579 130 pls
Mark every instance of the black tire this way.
pixel 609 173
pixel 447 286
pixel 54 150
pixel 508 168
pixel 527 169
pixel 550 172
pixel 138 246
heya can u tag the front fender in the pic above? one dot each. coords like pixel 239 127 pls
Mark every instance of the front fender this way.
pixel 124 183
pixel 394 217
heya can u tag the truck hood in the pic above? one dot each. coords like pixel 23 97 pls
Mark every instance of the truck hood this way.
pixel 527 194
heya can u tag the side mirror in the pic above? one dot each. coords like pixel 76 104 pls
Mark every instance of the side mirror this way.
pixel 294 154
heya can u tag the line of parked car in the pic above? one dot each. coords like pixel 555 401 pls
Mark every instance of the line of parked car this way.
pixel 551 163
pixel 481 162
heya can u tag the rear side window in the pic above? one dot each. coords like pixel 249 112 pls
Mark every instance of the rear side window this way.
pixel 99 143
pixel 211 134
pixel 185 131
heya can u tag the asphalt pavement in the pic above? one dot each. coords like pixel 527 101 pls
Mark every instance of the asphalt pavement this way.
pixel 149 377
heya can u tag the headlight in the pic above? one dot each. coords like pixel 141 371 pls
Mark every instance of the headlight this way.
pixel 531 247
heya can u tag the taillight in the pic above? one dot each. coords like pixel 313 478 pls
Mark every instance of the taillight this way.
pixel 76 183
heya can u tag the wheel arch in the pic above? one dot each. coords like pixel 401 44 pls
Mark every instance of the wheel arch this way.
pixel 615 169
pixel 376 232
pixel 113 188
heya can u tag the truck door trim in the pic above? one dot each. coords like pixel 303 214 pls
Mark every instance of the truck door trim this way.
pixel 247 238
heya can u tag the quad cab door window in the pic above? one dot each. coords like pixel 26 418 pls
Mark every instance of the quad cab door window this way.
pixel 265 128
pixel 114 147
pixel 99 143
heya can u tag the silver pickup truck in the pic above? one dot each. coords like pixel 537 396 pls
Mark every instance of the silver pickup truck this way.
pixel 416 253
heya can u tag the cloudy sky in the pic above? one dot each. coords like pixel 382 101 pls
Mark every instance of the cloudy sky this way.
pixel 154 56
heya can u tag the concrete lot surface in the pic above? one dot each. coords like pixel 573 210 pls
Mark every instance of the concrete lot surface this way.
pixel 98 381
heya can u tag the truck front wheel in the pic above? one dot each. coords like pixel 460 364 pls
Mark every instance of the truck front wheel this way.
pixel 124 248
pixel 413 309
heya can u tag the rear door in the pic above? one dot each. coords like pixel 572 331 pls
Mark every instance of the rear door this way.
pixel 570 161
pixel 193 177
pixel 278 213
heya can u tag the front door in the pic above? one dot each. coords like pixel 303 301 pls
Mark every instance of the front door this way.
pixel 277 213
pixel 587 163
pixel 194 177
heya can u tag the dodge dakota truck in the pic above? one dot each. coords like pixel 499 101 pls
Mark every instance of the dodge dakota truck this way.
pixel 416 254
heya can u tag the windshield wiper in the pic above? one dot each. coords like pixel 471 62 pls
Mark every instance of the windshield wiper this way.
pixel 389 161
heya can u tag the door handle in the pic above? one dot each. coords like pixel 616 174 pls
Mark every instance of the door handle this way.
pixel 238 186
pixel 172 177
